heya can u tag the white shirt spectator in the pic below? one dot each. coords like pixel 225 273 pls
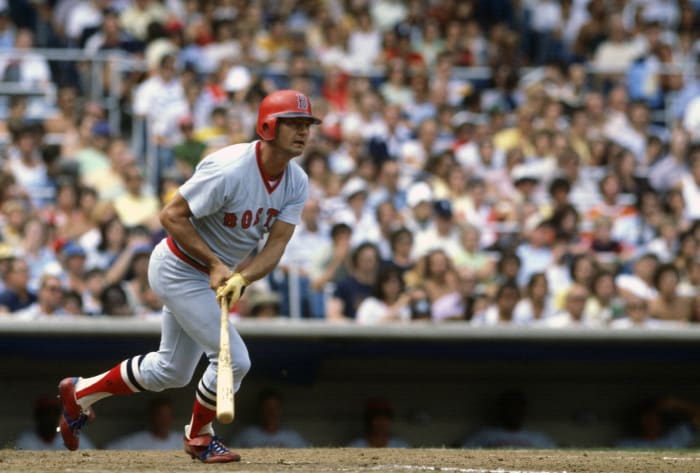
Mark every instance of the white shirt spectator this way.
pixel 83 15
pixel 372 310
pixel 162 103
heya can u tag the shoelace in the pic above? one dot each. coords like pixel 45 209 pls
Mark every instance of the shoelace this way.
pixel 76 424
pixel 215 447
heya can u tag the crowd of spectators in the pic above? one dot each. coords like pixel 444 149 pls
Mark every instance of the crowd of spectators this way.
pixel 497 162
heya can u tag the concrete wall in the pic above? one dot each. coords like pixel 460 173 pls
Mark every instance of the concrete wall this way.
pixel 580 388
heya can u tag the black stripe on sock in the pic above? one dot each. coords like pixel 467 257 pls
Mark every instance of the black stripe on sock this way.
pixel 213 393
pixel 206 397
pixel 132 377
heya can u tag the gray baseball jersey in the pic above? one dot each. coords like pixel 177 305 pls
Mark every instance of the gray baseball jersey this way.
pixel 234 203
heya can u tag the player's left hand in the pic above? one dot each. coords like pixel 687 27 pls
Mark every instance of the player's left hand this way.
pixel 231 290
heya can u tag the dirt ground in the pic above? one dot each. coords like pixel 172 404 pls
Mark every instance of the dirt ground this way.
pixel 357 460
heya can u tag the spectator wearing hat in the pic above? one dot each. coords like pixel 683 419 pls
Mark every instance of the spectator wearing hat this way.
pixel 378 427
pixel 264 304
pixel 16 295
pixel 72 258
pixel 355 211
pixel 536 252
pixel 44 433
pixel 49 300
pixel 419 206
pixel 443 233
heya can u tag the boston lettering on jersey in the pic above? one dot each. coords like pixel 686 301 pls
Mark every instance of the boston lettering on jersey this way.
pixel 248 218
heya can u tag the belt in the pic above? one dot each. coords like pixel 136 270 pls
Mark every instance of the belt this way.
pixel 175 248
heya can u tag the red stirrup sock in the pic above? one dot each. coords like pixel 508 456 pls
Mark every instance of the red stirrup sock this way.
pixel 203 412
pixel 125 378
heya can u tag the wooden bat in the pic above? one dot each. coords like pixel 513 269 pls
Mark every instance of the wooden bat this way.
pixel 224 382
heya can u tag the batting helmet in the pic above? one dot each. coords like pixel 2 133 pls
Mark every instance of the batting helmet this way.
pixel 282 104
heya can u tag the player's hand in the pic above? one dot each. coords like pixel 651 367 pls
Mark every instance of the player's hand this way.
pixel 231 290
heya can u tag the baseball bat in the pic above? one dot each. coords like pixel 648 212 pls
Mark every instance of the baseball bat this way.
pixel 224 381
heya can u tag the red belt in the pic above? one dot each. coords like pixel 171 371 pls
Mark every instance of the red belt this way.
pixel 185 257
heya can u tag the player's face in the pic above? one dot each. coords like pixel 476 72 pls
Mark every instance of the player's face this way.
pixel 293 134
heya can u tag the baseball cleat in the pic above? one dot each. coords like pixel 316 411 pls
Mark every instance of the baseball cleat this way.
pixel 73 417
pixel 209 449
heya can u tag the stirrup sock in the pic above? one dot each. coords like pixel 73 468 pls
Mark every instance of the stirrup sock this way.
pixel 125 378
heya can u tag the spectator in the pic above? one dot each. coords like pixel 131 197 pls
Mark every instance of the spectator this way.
pixel 635 315
pixel 158 436
pixel 351 291
pixel 49 300
pixel 436 273
pixel 669 305
pixel 16 295
pixel 604 304
pixel 190 150
pixel 378 427
pixel 44 434
pixel 115 302
pixel 665 422
pixel 573 313
pixel 442 234
pixel 537 301
pixel 264 304
pixel 401 243
pixel 137 206
pixel 269 432
pixel 35 251
pixel 641 281
pixel 389 302
pixel 503 311
pixel 509 430
pixel 332 262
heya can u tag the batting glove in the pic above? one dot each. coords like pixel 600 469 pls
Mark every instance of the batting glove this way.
pixel 231 290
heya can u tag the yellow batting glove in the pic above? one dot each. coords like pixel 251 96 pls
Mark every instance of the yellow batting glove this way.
pixel 231 290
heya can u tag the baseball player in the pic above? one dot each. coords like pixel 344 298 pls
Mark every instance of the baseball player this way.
pixel 236 196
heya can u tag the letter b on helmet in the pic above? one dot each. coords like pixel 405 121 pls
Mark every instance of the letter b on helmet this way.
pixel 282 104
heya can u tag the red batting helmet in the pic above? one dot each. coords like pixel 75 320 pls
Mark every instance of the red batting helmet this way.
pixel 282 104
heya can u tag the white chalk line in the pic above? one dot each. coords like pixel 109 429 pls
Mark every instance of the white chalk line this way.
pixel 455 469
pixel 682 459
